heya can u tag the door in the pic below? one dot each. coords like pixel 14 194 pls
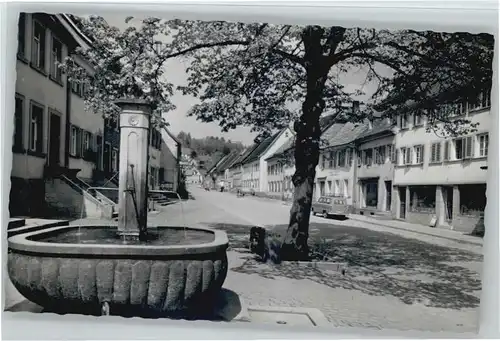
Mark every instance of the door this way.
pixel 99 152
pixel 448 197
pixel 107 157
pixel 54 140
pixel 388 197
pixel 402 200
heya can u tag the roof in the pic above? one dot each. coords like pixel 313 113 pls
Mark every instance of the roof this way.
pixel 228 159
pixel 262 147
pixel 326 121
pixel 346 134
pixel 379 126
pixel 284 148
pixel 245 154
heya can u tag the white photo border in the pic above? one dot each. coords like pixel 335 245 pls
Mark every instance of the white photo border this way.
pixel 470 16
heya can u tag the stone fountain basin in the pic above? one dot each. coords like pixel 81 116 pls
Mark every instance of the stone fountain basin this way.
pixel 136 280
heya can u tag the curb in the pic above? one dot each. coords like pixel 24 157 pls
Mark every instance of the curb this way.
pixel 461 241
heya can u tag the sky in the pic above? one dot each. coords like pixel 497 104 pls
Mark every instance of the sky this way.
pixel 178 119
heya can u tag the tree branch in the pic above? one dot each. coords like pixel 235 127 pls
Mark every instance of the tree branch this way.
pixel 207 45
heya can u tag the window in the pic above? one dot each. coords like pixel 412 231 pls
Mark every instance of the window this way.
pixel 417 120
pixel 349 155
pixel 87 141
pixel 38 46
pixel 36 128
pixel 404 121
pixel 419 154
pixel 391 153
pixel 463 148
pixel 423 199
pixel 56 58
pixel 341 158
pixel 332 155
pixel 486 98
pixel 17 143
pixel 323 161
pixel 404 155
pixel 436 152
pixel 114 159
pixel 368 157
pixel 483 145
pixel 74 141
pixel 380 155
pixel 21 35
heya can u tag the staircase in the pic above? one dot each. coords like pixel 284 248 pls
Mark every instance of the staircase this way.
pixel 24 225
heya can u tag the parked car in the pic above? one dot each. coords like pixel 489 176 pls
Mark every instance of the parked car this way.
pixel 327 206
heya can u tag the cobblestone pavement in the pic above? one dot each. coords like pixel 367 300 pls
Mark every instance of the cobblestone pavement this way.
pixel 396 279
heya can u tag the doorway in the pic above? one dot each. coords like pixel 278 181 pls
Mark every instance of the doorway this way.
pixel 388 197
pixel 107 157
pixel 54 140
pixel 448 200
pixel 99 152
pixel 402 200
pixel 371 196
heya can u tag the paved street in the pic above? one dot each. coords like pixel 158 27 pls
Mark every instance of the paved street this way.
pixel 395 279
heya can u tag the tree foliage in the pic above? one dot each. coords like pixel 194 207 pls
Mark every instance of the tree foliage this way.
pixel 266 76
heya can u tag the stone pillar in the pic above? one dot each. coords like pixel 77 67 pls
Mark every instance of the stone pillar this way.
pixel 456 203
pixel 133 161
pixel 407 201
pixel 440 206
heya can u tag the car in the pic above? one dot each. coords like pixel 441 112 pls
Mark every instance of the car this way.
pixel 330 205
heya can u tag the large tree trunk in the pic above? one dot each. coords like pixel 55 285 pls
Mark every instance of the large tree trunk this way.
pixel 294 246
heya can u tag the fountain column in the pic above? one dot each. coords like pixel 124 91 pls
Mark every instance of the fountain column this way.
pixel 133 167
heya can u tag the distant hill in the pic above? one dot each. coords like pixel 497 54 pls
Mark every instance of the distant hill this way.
pixel 208 150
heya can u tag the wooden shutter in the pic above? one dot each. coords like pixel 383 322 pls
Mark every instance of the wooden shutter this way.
pixel 422 154
pixel 396 158
pixel 469 147
pixel 393 153
pixel 434 152
pixel 409 156
pixel 446 150
pixel 39 126
pixel 42 49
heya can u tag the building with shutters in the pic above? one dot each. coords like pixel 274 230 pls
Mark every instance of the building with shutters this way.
pixel 441 181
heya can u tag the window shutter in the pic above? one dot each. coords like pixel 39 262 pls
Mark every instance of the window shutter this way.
pixel 397 157
pixel 409 156
pixel 422 154
pixel 39 127
pixel 446 150
pixel 434 152
pixel 438 152
pixel 469 144
pixel 393 153
pixel 79 144
pixel 42 49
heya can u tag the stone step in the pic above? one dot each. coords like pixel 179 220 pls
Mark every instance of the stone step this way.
pixel 16 222
pixel 32 225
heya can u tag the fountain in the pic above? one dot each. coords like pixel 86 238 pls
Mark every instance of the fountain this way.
pixel 129 270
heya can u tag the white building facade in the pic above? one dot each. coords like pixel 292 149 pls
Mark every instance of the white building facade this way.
pixel 441 181
pixel 51 129
pixel 376 155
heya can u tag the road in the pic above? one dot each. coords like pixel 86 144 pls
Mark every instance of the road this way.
pixel 398 280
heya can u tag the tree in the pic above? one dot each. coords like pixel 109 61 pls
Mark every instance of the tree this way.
pixel 253 74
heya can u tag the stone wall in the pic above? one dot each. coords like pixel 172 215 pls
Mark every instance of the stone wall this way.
pixel 27 197
pixel 64 200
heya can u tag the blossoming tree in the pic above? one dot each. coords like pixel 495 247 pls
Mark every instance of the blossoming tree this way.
pixel 256 74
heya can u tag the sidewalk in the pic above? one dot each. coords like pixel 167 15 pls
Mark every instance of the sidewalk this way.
pixel 426 230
